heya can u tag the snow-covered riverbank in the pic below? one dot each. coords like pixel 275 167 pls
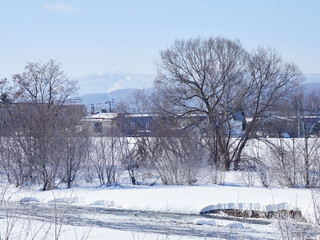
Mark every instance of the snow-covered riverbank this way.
pixel 167 199
pixel 175 199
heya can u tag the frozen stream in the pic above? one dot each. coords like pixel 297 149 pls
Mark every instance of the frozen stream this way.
pixel 141 221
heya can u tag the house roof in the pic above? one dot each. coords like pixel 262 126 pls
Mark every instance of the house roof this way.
pixel 101 116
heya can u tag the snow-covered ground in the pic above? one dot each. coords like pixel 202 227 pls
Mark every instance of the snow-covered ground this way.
pixel 26 229
pixel 174 199
pixel 167 199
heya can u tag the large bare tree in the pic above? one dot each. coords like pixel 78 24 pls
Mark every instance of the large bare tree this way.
pixel 270 82
pixel 203 77
pixel 218 78
pixel 44 83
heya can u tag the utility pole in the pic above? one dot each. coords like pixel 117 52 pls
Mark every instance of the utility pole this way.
pixel 111 105
pixel 298 118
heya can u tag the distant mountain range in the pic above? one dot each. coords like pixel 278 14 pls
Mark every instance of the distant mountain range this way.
pixel 101 100
pixel 102 88
pixel 108 82
pixel 312 77
pixel 312 82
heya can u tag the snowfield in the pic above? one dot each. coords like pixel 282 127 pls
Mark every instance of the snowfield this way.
pixel 160 198
pixel 174 199
pixel 157 198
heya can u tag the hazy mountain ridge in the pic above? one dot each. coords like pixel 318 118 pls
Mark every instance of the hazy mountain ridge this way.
pixel 311 82
pixel 95 87
pixel 109 82
pixel 313 77
pixel 101 100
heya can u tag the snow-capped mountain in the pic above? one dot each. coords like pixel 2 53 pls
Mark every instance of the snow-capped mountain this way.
pixel 311 82
pixel 108 82
pixel 116 96
pixel 99 89
pixel 314 77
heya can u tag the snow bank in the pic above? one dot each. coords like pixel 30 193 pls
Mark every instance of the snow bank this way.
pixel 175 199
pixel 29 200
pixel 235 225
pixel 204 221
pixel 249 206
pixel 221 223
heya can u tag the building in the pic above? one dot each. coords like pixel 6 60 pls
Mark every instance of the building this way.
pixel 101 123
pixel 133 125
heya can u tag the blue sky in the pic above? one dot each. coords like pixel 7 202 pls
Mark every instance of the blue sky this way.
pixel 104 36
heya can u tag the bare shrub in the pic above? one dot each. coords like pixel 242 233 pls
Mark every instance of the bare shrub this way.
pixel 34 117
pixel 130 158
pixel 217 174
pixel 105 157
pixel 180 160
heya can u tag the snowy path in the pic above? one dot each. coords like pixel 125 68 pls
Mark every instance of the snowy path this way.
pixel 144 222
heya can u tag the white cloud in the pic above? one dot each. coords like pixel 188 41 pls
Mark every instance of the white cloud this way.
pixel 61 7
